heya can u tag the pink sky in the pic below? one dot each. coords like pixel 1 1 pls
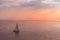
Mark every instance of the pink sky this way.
pixel 29 14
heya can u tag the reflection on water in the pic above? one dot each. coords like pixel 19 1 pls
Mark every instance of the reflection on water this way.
pixel 16 36
pixel 30 30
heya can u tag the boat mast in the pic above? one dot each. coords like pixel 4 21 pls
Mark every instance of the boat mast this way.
pixel 16 26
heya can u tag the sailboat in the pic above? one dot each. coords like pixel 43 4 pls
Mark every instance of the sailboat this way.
pixel 16 29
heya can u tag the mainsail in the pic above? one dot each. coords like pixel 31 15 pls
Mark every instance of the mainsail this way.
pixel 16 29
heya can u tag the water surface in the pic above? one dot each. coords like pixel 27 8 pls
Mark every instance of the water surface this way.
pixel 30 30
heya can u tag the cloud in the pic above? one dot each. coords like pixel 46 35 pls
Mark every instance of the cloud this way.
pixel 29 3
pixel 41 4
pixel 50 2
pixel 10 3
pixel 57 0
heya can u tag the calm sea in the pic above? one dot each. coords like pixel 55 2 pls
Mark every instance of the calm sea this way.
pixel 30 30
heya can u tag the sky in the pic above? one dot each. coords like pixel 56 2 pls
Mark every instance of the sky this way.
pixel 29 9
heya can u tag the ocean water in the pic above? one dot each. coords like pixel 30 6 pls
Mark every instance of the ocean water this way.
pixel 29 30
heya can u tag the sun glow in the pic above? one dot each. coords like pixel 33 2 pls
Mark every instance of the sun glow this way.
pixel 29 14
